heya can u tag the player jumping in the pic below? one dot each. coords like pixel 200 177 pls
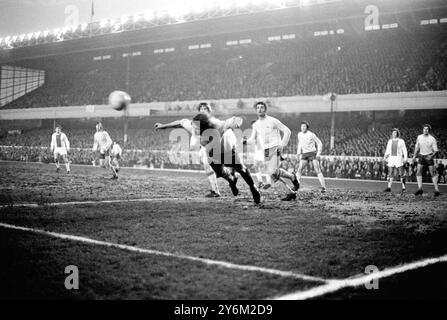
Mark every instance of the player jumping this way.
pixel 309 149
pixel 187 125
pixel 60 146
pixel 425 150
pixel 266 134
pixel 396 155
pixel 220 144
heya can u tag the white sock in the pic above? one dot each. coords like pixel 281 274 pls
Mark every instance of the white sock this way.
pixel 268 179
pixel 435 182
pixel 390 182
pixel 67 165
pixel 419 179
pixel 213 182
pixel 321 179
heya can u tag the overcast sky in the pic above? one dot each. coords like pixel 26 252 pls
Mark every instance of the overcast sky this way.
pixel 25 16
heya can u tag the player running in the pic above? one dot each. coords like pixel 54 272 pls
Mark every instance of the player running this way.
pixel 396 155
pixel 60 146
pixel 266 135
pixel 115 155
pixel 102 143
pixel 309 149
pixel 425 150
pixel 187 125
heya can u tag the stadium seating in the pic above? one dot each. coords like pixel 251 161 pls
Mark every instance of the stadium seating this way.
pixel 389 61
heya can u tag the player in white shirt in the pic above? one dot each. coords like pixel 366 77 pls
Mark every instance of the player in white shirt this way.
pixel 396 155
pixel 266 135
pixel 257 157
pixel 102 143
pixel 309 149
pixel 115 156
pixel 425 150
pixel 60 146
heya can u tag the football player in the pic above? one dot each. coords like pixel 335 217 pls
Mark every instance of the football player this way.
pixel 60 146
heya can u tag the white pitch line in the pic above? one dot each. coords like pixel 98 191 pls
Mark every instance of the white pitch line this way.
pixel 93 202
pixel 336 285
pixel 223 264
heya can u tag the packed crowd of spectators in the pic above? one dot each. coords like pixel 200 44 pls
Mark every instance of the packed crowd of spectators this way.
pixel 358 151
pixel 373 63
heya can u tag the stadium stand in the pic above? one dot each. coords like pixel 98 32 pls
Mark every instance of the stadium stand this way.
pixel 389 61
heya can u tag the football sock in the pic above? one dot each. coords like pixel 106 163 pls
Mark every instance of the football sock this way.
pixel 390 182
pixel 419 179
pixel 213 182
pixel 435 182
pixel 321 179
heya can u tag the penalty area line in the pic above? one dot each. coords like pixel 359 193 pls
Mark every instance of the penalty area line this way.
pixel 337 285
pixel 210 262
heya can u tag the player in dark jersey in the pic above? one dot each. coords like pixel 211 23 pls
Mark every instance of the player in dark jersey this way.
pixel 219 142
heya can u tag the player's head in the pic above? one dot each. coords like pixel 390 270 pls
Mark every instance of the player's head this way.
pixel 261 108
pixel 203 121
pixel 304 126
pixel 99 126
pixel 395 133
pixel 58 128
pixel 204 107
pixel 426 129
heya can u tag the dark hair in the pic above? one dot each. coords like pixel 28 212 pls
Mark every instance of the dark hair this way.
pixel 306 123
pixel 58 126
pixel 204 105
pixel 261 103
pixel 204 122
pixel 427 126
pixel 397 131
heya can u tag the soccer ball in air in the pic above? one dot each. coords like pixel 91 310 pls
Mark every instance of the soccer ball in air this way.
pixel 119 100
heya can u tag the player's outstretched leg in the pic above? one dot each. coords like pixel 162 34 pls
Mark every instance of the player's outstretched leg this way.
pixel 227 174
pixel 245 174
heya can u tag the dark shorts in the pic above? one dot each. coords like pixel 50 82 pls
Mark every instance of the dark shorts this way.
pixel 117 157
pixel 309 156
pixel 103 155
pixel 423 160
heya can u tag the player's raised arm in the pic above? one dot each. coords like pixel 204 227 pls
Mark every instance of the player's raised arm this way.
pixel 182 123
